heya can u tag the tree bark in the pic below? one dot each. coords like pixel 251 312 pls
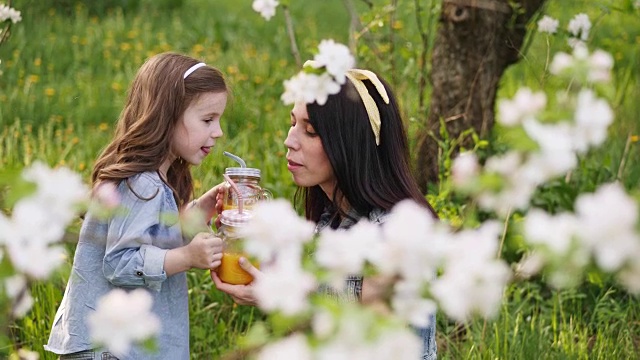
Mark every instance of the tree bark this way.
pixel 476 41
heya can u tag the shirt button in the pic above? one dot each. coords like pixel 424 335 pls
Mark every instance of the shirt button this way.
pixel 139 273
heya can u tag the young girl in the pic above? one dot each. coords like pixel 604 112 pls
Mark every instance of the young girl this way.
pixel 171 120
pixel 348 166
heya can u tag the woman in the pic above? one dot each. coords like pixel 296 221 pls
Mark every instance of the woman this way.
pixel 350 158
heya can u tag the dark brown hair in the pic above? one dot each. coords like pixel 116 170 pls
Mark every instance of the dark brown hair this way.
pixel 157 100
pixel 368 176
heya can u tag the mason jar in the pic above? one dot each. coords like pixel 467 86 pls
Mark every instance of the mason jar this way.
pixel 248 182
pixel 232 221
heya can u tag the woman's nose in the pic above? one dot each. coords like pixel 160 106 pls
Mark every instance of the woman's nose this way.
pixel 290 142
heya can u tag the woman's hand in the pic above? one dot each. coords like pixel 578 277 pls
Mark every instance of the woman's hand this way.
pixel 241 294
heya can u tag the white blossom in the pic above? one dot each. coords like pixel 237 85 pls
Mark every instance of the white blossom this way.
pixel 16 289
pixel 292 347
pixel 274 226
pixel 345 251
pixel 592 119
pixel 465 169
pixel 561 61
pixel 554 232
pixel 579 26
pixel 309 88
pixel 266 8
pixel 336 58
pixel 600 65
pixel 9 13
pixel 473 279
pixel 58 190
pixel 121 319
pixel 412 242
pixel 397 344
pixel 524 105
pixel 284 287
pixel 323 323
pixel 548 25
pixel 607 225
pixel 409 304
pixel 35 259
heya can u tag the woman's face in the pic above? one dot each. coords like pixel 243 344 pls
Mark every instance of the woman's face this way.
pixel 306 159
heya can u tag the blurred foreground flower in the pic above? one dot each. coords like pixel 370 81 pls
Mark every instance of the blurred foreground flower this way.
pixel 123 318
pixel 9 13
pixel 266 8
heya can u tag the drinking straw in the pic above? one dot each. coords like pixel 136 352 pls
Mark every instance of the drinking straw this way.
pixel 236 158
pixel 235 188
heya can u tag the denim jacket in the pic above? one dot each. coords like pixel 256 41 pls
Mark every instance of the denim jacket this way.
pixel 127 251
pixel 353 284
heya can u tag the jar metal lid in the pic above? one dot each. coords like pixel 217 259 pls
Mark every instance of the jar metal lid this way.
pixel 240 171
pixel 233 217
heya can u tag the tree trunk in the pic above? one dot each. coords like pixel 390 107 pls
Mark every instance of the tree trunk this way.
pixel 476 41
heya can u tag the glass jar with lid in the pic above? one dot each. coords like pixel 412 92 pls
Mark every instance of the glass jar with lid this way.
pixel 229 271
pixel 248 182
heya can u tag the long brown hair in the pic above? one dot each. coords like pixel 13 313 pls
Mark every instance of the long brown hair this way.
pixel 157 100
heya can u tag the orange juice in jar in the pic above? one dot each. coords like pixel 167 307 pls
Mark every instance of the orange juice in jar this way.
pixel 229 270
pixel 248 182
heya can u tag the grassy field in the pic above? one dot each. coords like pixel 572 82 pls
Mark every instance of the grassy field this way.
pixel 64 77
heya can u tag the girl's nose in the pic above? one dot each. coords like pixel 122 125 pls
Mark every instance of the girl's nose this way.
pixel 217 131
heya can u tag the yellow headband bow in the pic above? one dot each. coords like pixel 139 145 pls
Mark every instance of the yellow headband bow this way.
pixel 356 76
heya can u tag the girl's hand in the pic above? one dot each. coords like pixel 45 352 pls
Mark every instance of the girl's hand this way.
pixel 241 294
pixel 208 202
pixel 204 251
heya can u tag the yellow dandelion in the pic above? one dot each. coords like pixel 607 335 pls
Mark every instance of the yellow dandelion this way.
pixel 197 184
pixel 197 48
pixel 3 98
pixel 94 20
pixel 116 86
pixel 62 162
pixel 83 41
pixel 75 140
pixel 264 56
pixel 103 126
pixel 132 34
pixel 34 79
pixel 398 25
pixel 635 138
pixel 49 92
pixel 74 39
pixel 82 166
pixel 258 79
pixel 125 46
pixel 243 77
pixel 37 62
pixel 232 69
pixel 282 63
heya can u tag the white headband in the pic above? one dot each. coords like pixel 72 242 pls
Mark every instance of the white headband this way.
pixel 192 69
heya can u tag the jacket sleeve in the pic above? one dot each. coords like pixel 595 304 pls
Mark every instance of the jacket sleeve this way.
pixel 131 259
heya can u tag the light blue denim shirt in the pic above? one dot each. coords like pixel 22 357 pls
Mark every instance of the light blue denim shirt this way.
pixel 127 251
pixel 353 284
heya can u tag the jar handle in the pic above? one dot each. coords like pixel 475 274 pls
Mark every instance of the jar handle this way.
pixel 266 194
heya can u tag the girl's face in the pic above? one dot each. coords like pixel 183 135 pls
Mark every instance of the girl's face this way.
pixel 197 131
pixel 306 159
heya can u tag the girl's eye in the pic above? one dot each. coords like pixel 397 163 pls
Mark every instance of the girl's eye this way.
pixel 208 121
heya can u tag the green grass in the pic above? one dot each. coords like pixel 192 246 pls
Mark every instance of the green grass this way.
pixel 63 84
